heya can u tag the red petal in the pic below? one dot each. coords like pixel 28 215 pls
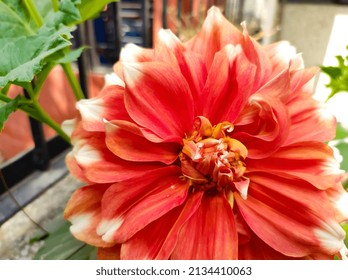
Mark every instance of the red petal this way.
pixel 215 34
pixel 158 98
pixel 132 53
pixel 84 212
pixel 263 126
pixel 99 165
pixel 158 239
pixel 257 55
pixel 169 49
pixel 310 161
pixel 151 196
pixel 210 233
pixel 306 113
pixel 291 216
pixel 107 105
pixel 228 85
pixel 126 140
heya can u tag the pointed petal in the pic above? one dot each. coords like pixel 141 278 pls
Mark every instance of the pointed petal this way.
pixel 108 105
pixel 310 161
pixel 210 233
pixel 126 140
pixel 215 34
pixel 257 55
pixel 164 96
pixel 228 82
pixel 163 232
pixel 84 212
pixel 291 216
pixel 169 49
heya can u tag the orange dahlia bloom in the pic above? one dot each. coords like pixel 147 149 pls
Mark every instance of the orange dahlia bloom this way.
pixel 210 149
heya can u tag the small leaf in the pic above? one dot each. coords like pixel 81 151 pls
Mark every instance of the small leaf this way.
pixel 72 56
pixel 343 148
pixel 61 245
pixel 341 132
pixel 333 72
pixel 6 109
pixel 90 9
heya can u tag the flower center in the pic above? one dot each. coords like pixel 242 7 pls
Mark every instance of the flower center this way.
pixel 212 159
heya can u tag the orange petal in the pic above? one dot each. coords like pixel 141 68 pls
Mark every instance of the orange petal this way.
pixel 158 239
pixel 84 212
pixel 126 140
pixel 228 85
pixel 107 105
pixel 291 216
pixel 163 96
pixel 152 195
pixel 310 161
pixel 210 233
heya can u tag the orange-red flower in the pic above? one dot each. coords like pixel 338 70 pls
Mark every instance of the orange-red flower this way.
pixel 210 149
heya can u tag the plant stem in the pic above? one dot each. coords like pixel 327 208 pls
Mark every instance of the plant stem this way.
pixel 33 12
pixel 55 5
pixel 75 85
pixel 50 122
pixel 43 116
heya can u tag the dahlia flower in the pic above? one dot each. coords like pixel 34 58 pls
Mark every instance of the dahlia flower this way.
pixel 209 149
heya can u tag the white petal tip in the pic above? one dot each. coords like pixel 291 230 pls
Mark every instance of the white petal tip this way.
pixel 107 228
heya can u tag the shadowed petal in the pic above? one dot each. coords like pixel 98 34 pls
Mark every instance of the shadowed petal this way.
pixel 210 233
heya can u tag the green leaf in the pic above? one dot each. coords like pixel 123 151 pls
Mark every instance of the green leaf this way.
pixel 343 148
pixel 341 132
pixel 90 9
pixel 72 56
pixel 61 245
pixel 6 109
pixel 345 227
pixel 15 20
pixel 23 57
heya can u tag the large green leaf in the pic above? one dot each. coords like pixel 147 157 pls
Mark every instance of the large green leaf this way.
pixel 61 245
pixel 23 57
pixel 6 109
